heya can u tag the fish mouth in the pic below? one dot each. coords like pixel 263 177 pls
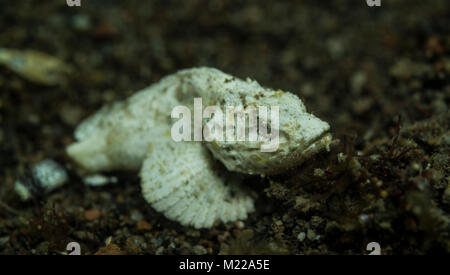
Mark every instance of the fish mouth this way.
pixel 301 155
pixel 318 144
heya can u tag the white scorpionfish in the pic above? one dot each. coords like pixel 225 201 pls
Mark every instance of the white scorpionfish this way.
pixel 195 183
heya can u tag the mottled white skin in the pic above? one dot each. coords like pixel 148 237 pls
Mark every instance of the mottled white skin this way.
pixel 117 135
pixel 298 130
pixel 124 134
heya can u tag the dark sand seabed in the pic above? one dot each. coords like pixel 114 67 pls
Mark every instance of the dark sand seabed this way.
pixel 379 76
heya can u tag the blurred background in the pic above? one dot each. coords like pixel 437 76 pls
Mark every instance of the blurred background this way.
pixel 378 75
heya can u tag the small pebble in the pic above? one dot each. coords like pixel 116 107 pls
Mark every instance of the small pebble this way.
pixel 319 172
pixel 98 180
pixel 159 251
pixel 136 215
pixel 92 215
pixel 200 250
pixel 81 22
pixel 111 249
pixel 311 235
pixel 108 240
pixel 301 236
pixel 144 226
